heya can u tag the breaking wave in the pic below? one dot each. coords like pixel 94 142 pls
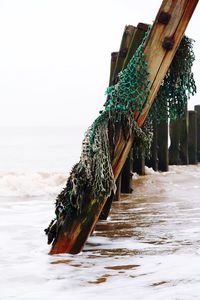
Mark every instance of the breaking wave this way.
pixel 20 184
pixel 31 184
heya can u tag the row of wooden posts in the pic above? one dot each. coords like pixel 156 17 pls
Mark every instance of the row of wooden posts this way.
pixel 183 135
pixel 182 132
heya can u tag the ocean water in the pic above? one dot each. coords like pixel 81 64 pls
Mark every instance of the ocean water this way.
pixel 149 248
pixel 36 161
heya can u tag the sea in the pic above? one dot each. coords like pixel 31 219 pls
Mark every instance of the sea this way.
pixel 148 249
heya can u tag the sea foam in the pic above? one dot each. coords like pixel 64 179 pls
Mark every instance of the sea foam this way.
pixel 31 184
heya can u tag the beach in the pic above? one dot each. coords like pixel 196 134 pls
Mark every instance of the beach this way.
pixel 149 248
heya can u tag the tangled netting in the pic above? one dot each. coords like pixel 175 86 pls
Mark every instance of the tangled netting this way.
pixel 93 175
pixel 177 86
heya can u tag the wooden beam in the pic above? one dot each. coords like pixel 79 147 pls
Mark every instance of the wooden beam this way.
pixel 158 58
pixel 163 153
pixel 197 109
pixel 174 149
pixel 112 65
pixel 152 162
pixel 123 50
pixel 184 127
pixel 131 44
pixel 192 140
pixel 137 37
pixel 73 234
pixel 117 63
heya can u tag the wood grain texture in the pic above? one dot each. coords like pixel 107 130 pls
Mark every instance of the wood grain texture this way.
pixel 123 50
pixel 158 59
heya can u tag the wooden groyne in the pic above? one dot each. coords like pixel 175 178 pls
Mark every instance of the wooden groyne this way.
pixel 79 206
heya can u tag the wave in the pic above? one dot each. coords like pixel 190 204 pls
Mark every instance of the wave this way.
pixel 31 184
pixel 43 183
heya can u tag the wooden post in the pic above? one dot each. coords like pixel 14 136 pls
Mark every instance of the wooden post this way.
pixel 131 40
pixel 117 61
pixel 73 233
pixel 184 158
pixel 106 209
pixel 197 109
pixel 137 38
pixel 174 149
pixel 152 162
pixel 162 138
pixel 122 55
pixel 112 65
pixel 118 192
pixel 192 141
pixel 114 197
pixel 125 43
pixel 126 175
pixel 139 163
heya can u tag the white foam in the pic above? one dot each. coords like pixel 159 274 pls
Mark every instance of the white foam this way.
pixel 31 184
pixel 149 171
pixel 135 175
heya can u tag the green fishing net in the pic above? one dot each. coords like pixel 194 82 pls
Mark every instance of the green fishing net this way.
pixel 177 85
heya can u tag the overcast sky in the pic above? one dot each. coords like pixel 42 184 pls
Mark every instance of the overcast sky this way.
pixel 55 56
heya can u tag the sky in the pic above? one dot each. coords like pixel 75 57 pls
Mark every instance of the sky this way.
pixel 55 57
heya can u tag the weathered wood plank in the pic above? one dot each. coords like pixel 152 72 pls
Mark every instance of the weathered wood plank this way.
pixel 126 175
pixel 124 46
pixel 174 149
pixel 117 64
pixel 192 140
pixel 139 163
pixel 112 65
pixel 152 162
pixel 158 59
pixel 184 127
pixel 137 38
pixel 163 153
pixel 197 109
